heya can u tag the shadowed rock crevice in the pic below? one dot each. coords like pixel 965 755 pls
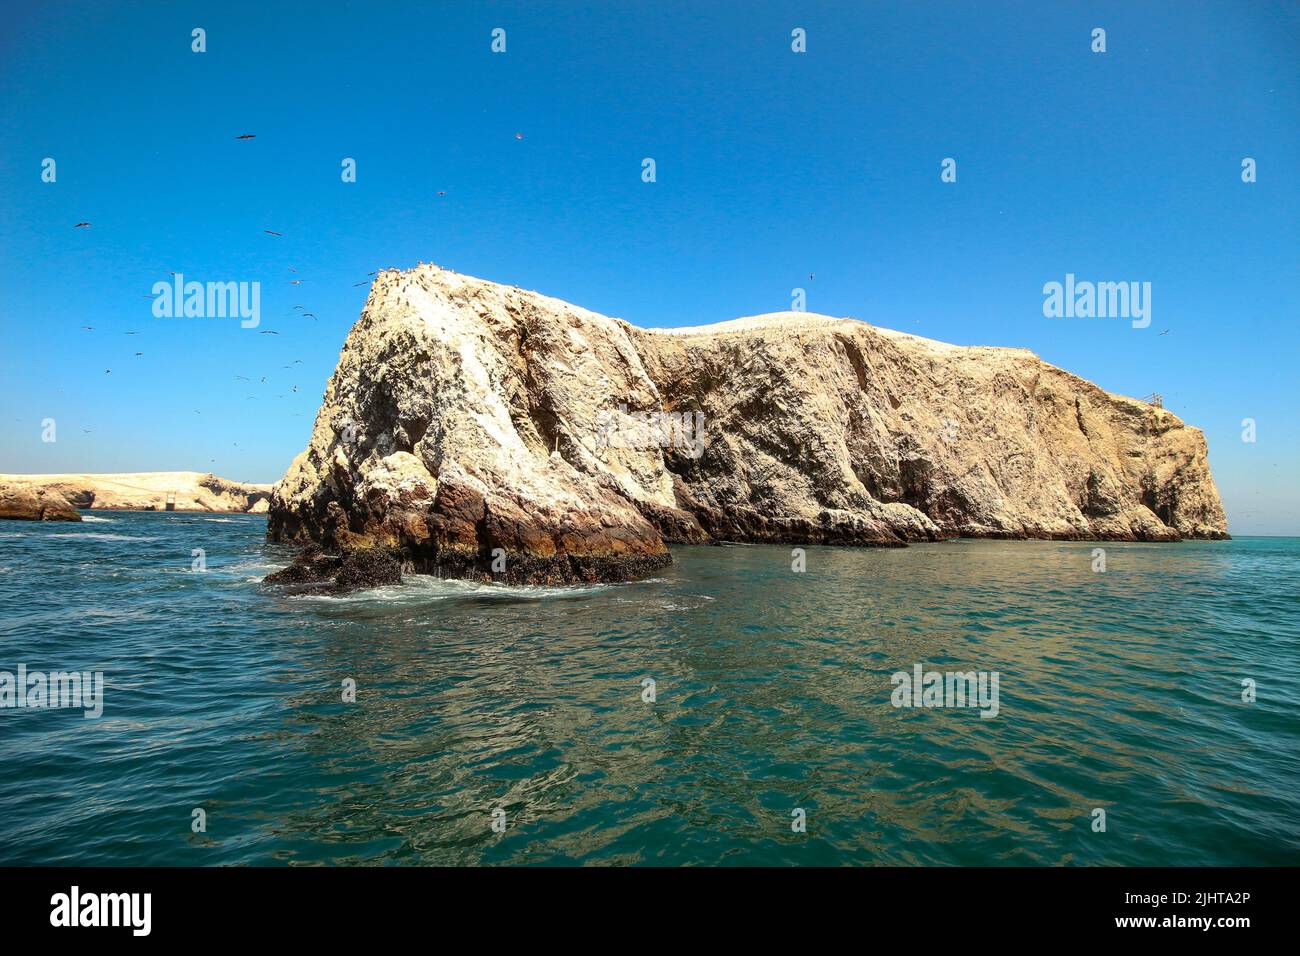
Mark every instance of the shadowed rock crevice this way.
pixel 491 420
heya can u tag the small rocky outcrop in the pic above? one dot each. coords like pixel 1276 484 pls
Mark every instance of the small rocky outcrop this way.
pixel 317 572
pixel 478 430
pixel 35 504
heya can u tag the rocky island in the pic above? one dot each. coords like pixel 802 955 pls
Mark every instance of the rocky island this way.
pixel 479 430
pixel 136 491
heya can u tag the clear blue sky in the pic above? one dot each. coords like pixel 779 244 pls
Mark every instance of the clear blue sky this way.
pixel 771 165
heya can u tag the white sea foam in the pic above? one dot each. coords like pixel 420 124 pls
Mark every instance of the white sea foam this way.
pixel 421 588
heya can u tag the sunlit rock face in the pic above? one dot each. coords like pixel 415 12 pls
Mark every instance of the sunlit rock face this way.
pixel 479 430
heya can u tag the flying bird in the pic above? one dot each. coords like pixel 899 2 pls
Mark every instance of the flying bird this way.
pixel 270 233
pixel 442 192
pixel 1165 332
pixel 295 282
pixel 247 136
pixel 82 225
pixel 243 378
pixel 139 353
pixel 354 285
pixel 519 135
pixel 268 332
pixel 312 314
pixel 89 328
pixel 132 333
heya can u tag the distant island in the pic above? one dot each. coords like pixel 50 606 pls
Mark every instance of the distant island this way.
pixel 478 430
pixel 58 497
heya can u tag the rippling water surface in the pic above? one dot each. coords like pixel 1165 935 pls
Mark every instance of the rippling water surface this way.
pixel 1119 690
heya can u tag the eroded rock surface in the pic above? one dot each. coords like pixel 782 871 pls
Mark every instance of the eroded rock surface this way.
pixel 23 503
pixel 483 431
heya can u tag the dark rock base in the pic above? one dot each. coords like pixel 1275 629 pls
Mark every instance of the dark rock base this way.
pixel 316 572
pixel 551 570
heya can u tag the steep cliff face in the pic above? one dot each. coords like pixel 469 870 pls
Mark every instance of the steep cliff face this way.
pixel 484 431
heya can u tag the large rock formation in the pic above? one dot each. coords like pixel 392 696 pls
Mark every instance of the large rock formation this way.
pixel 24 503
pixel 150 491
pixel 468 419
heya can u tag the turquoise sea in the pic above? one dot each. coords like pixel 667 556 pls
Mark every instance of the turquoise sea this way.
pixel 1119 691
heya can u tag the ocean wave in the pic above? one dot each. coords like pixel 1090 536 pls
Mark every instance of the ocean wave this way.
pixel 419 588
pixel 97 536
